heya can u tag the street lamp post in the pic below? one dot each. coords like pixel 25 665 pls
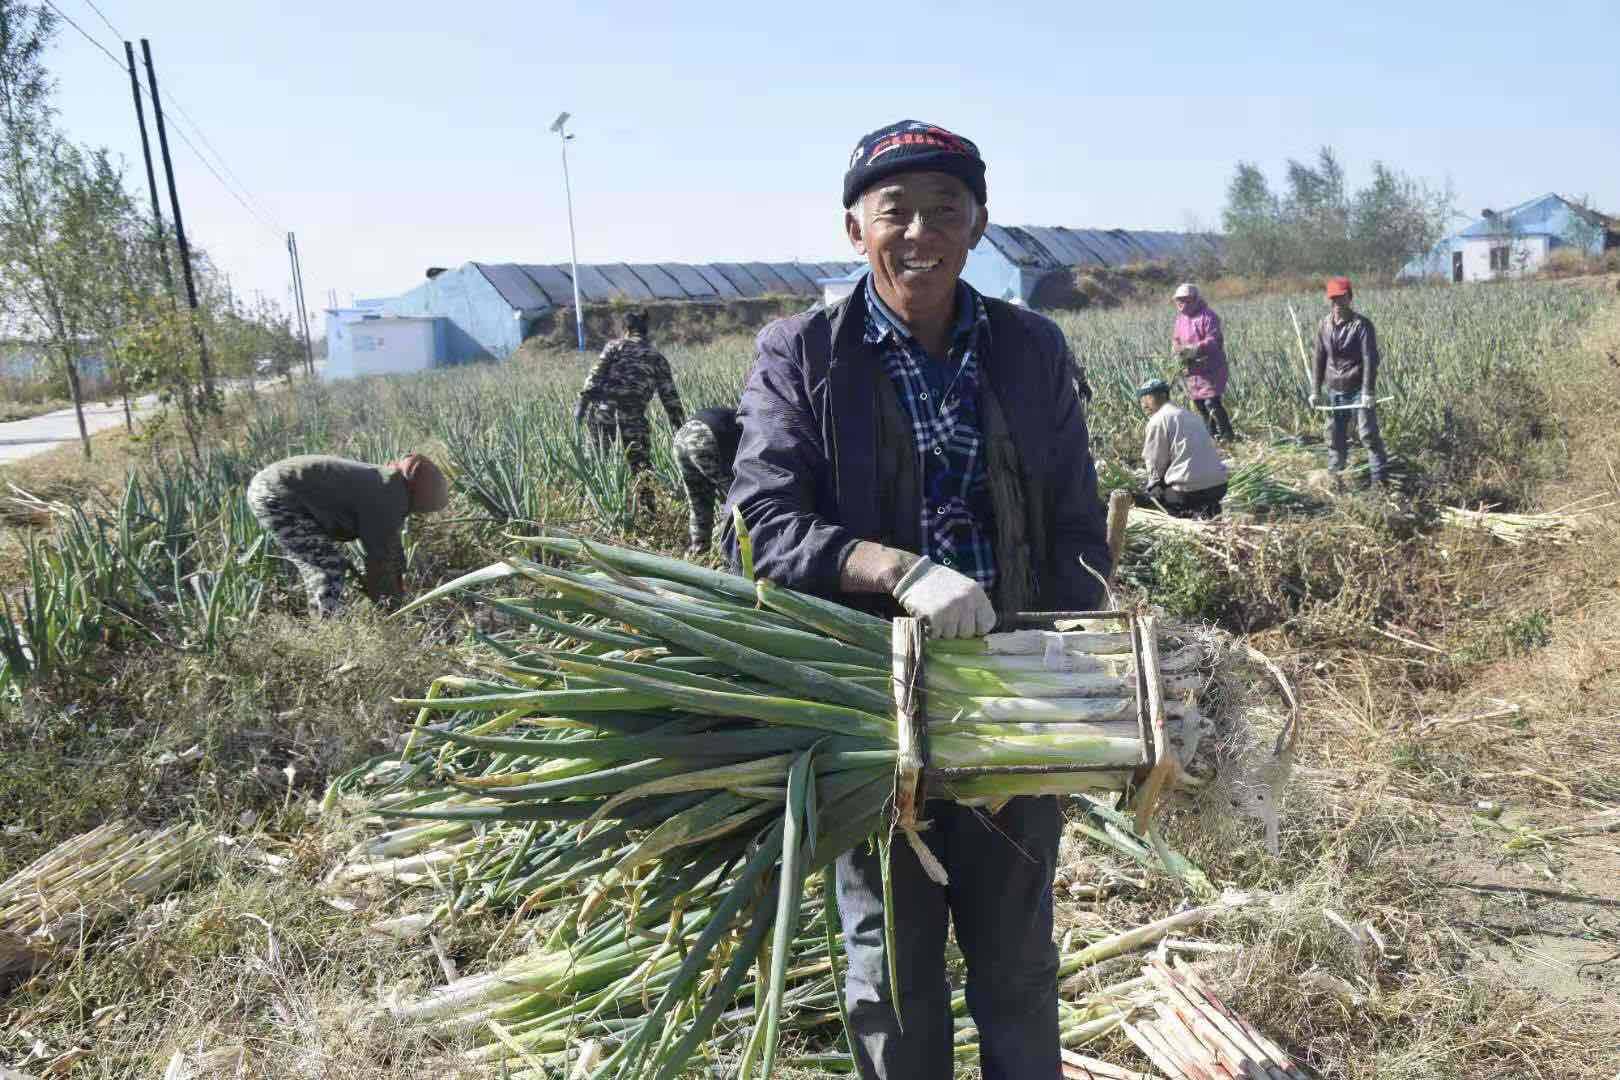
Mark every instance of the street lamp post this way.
pixel 573 253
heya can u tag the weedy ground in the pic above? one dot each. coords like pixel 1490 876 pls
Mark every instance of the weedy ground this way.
pixel 1461 706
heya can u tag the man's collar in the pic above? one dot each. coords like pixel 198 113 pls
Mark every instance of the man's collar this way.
pixel 884 322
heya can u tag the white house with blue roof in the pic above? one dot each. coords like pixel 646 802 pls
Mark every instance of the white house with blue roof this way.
pixel 1516 241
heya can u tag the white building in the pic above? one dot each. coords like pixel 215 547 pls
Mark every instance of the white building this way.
pixel 359 343
pixel 1517 241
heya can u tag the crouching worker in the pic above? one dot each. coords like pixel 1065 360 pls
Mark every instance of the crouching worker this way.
pixel 705 448
pixel 920 449
pixel 1185 473
pixel 314 502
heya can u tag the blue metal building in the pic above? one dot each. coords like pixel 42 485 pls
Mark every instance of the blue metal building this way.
pixel 488 309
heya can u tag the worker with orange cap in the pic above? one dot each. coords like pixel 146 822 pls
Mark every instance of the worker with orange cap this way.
pixel 314 502
pixel 1346 367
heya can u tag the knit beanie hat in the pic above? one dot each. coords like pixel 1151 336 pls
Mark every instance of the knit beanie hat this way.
pixel 912 146
pixel 428 486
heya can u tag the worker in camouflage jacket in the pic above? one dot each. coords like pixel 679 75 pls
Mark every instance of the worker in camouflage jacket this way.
pixel 705 450
pixel 312 503
pixel 1346 366
pixel 614 399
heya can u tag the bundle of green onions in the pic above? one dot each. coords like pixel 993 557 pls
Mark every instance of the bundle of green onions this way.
pixel 1254 487
pixel 655 743
pixel 1516 529
pixel 87 882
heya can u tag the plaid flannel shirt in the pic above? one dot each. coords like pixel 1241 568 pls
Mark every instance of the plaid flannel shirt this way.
pixel 941 398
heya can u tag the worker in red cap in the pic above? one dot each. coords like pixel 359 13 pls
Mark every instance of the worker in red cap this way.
pixel 1347 368
pixel 314 502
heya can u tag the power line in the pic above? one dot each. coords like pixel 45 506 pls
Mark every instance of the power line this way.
pixel 258 216
pixel 176 107
pixel 116 32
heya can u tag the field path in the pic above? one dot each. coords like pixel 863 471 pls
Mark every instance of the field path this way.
pixel 21 439
pixel 24 438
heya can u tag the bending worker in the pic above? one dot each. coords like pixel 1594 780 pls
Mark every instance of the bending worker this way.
pixel 1198 344
pixel 614 400
pixel 705 448
pixel 919 448
pixel 313 503
pixel 1185 473
pixel 1347 365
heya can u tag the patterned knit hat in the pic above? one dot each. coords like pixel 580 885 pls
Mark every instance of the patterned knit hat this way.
pixel 912 146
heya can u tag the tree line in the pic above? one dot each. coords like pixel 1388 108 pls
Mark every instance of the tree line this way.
pixel 1316 225
pixel 85 272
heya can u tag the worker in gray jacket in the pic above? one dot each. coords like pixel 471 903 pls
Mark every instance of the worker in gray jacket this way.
pixel 312 503
pixel 1346 365
pixel 1185 473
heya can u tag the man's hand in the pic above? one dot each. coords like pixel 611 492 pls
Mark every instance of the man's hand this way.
pixel 954 604
pixel 1366 401
pixel 1316 398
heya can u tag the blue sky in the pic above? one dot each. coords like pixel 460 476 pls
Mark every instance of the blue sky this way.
pixel 395 136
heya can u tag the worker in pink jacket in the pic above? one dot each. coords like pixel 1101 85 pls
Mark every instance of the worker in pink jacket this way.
pixel 1197 343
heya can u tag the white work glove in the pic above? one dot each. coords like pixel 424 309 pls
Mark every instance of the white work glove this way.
pixel 1316 399
pixel 954 604
pixel 1366 401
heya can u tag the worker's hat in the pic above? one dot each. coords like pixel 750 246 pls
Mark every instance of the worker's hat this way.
pixel 1153 386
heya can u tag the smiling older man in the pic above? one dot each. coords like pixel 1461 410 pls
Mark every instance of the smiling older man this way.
pixel 921 449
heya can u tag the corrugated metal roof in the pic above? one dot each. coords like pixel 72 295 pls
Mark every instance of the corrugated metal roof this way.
pixel 662 285
pixel 1546 215
pixel 722 284
pixel 515 287
pixel 624 279
pixel 766 275
pixel 690 279
pixel 744 282
pixel 1042 247
pixel 531 286
pixel 799 278
pixel 553 281
pixel 594 287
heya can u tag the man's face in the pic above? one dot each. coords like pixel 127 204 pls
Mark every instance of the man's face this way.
pixel 916 230
pixel 1341 307
pixel 1149 403
pixel 1183 303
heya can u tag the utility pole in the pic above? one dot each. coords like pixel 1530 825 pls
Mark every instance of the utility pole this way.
pixel 151 177
pixel 179 224
pixel 573 253
pixel 298 299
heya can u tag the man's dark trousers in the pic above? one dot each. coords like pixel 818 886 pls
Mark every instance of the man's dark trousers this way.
pixel 1000 899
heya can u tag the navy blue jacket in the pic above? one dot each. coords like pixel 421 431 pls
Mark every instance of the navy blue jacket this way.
pixel 806 477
